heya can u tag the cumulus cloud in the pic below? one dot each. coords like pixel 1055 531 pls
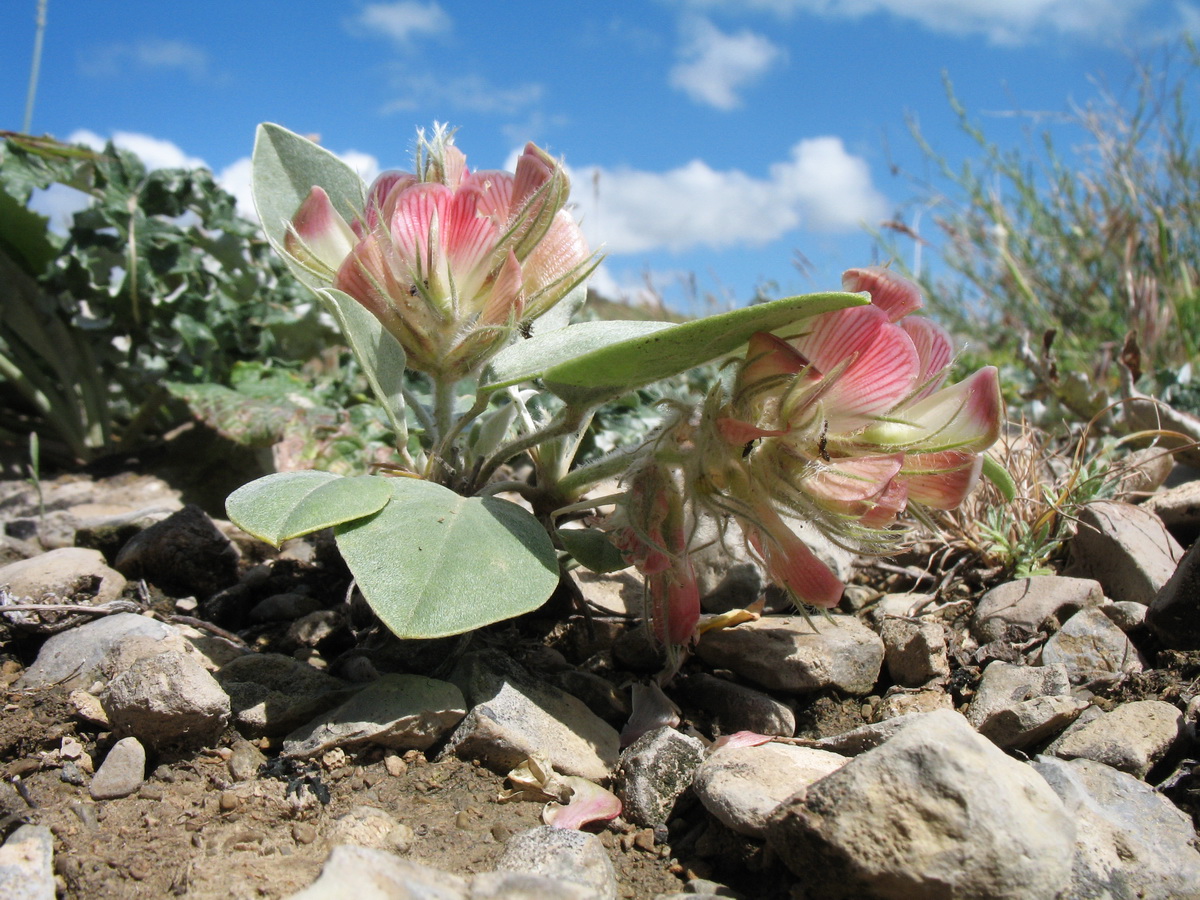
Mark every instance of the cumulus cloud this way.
pixel 1001 21
pixel 156 153
pixel 400 21
pixel 152 53
pixel 715 66
pixel 820 187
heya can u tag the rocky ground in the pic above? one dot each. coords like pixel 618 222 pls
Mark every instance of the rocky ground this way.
pixel 191 713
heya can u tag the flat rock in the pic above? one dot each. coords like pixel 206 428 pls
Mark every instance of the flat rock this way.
pixel 653 772
pixel 1178 507
pixel 937 811
pixel 27 864
pixel 735 707
pixel 795 655
pixel 1174 613
pixel 563 855
pixel 742 786
pixel 122 772
pixel 1132 843
pixel 1124 547
pixel 272 695
pixel 1131 738
pixel 914 650
pixel 1091 646
pixel 403 712
pixel 906 701
pixel 513 715
pixel 68 574
pixel 166 698
pixel 73 657
pixel 1029 602
pixel 1016 706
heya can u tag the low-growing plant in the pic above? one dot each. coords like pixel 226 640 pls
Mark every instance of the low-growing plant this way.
pixel 455 291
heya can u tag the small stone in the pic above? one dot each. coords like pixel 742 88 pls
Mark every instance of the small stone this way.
pixel 167 698
pixel 1091 646
pixel 1028 603
pixel 905 701
pixel 284 607
pixel 303 832
pixel 367 826
pixel 915 651
pixel 27 864
pixel 1016 706
pixel 1130 738
pixel 245 761
pixel 652 773
pixel 394 765
pixel 1126 615
pixel 122 771
pixel 229 801
pixel 735 707
pixel 60 575
pixel 797 655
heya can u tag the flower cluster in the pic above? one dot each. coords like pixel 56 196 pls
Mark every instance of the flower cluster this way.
pixel 449 260
pixel 844 425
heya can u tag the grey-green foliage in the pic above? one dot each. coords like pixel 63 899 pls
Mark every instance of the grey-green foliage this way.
pixel 156 280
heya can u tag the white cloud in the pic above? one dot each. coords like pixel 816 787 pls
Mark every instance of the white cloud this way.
pixel 1001 21
pixel 464 92
pixel 152 53
pixel 400 21
pixel 156 153
pixel 714 65
pixel 820 187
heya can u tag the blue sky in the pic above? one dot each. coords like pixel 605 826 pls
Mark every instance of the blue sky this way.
pixel 709 140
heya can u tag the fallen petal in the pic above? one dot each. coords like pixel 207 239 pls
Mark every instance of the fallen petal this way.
pixel 651 709
pixel 588 803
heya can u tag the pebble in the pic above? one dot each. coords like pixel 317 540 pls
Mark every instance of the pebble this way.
pixel 1124 547
pixel 1131 842
pixel 735 707
pixel 568 856
pixel 937 810
pixel 394 765
pixel 122 772
pixel 403 712
pixel 914 650
pixel 1016 706
pixel 653 772
pixel 27 864
pixel 742 786
pixel 54 577
pixel 1028 603
pixel 1091 646
pixel 245 761
pixel 167 698
pixel 795 655
pixel 1131 738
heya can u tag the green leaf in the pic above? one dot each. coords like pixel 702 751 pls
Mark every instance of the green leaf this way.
pixel 592 362
pixel 999 476
pixel 434 563
pixel 592 549
pixel 377 350
pixel 285 167
pixel 290 504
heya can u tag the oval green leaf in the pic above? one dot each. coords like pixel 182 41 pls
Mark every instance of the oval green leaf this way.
pixel 592 549
pixel 285 505
pixel 434 563
pixel 592 362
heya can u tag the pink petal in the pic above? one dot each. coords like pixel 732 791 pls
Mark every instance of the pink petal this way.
pixel 504 301
pixel 895 295
pixel 768 356
pixel 535 167
pixel 381 197
pixel 470 242
pixel 494 195
pixel 417 225
pixel 882 370
pixel 886 506
pixel 318 233
pixel 739 433
pixel 790 563
pixel 844 481
pixel 941 480
pixel 740 739
pixel 674 603
pixel 554 265
pixel 965 416
pixel 933 350
pixel 589 803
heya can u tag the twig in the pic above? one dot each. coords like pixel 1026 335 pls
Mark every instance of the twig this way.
pixel 206 626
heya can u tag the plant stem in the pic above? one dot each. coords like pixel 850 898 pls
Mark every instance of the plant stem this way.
pixel 443 409
pixel 566 421
pixel 575 483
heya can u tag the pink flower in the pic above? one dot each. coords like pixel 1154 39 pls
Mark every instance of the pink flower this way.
pixel 450 261
pixel 845 425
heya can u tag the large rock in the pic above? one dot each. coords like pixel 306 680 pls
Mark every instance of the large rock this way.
pixel 743 786
pixel 1132 737
pixel 1131 842
pixel 183 554
pixel 796 655
pixel 1028 603
pixel 1016 706
pixel 1091 646
pixel 937 811
pixel 568 856
pixel 1125 548
pixel 915 650
pixel 272 694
